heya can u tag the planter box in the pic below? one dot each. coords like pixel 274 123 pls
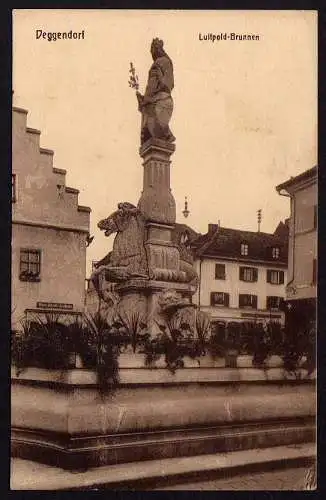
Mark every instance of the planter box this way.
pixel 59 417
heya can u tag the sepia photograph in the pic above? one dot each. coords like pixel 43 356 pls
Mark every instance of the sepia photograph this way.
pixel 164 250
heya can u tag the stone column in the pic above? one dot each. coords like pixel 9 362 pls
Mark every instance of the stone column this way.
pixel 156 201
pixel 158 206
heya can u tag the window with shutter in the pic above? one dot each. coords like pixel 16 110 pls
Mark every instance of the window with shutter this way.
pixel 247 300
pixel 219 299
pixel 248 274
pixel 275 277
pixel 30 265
pixel 220 271
pixel 273 302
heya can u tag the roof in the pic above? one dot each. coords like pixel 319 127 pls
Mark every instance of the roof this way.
pixel 307 174
pixel 226 242
pixel 180 229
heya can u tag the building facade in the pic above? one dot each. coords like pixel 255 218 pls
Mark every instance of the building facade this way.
pixel 301 289
pixel 49 231
pixel 242 274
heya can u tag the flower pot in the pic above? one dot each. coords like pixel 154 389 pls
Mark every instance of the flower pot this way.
pixel 231 358
pixel 244 361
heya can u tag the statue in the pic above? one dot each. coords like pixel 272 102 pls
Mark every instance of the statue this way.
pixel 128 258
pixel 156 105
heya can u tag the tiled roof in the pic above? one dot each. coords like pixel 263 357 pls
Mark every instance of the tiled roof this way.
pixel 226 242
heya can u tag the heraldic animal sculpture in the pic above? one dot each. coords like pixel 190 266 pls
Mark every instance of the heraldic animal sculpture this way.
pixel 128 258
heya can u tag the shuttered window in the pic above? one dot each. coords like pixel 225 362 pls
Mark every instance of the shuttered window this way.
pixel 220 271
pixel 274 302
pixel 247 300
pixel 275 277
pixel 220 299
pixel 248 273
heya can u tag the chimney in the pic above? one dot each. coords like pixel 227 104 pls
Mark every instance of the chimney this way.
pixel 212 228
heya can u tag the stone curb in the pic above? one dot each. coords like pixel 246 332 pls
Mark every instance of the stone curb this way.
pixel 27 475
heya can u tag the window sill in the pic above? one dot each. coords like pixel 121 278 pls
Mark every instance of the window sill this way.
pixel 34 279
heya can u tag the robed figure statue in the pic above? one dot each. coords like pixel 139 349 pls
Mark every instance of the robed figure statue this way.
pixel 156 105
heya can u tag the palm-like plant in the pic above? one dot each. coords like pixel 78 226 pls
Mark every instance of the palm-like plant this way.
pixel 134 326
pixel 202 322
pixel 106 349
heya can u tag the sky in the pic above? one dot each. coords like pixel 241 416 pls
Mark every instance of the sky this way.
pixel 245 112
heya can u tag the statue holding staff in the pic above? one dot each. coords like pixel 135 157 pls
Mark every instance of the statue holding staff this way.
pixel 156 105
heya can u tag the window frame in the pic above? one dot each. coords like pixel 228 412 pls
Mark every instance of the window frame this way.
pixel 226 299
pixel 219 265
pixel 276 252
pixel 13 187
pixel 244 269
pixel 280 274
pixel 253 300
pixel 28 274
pixel 244 249
pixel 270 307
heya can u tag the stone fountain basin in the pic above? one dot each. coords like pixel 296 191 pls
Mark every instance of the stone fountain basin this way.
pixel 58 417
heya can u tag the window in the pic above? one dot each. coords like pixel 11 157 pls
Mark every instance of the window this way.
pixel 246 300
pixel 220 271
pixel 248 273
pixel 220 299
pixel 315 216
pixel 30 265
pixel 184 239
pixel 274 302
pixel 275 277
pixel 314 271
pixel 275 252
pixel 244 249
pixel 13 188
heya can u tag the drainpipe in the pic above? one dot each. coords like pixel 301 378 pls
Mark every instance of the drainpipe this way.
pixel 199 286
pixel 294 221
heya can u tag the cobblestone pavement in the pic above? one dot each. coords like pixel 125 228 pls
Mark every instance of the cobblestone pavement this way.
pixel 288 479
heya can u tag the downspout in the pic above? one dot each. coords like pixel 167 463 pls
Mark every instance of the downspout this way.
pixel 199 287
pixel 294 222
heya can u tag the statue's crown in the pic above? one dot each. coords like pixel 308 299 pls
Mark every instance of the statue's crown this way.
pixel 158 42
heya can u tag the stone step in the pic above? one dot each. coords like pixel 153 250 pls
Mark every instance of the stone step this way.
pixel 28 475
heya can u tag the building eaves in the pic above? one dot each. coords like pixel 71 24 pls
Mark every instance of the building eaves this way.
pixel 307 174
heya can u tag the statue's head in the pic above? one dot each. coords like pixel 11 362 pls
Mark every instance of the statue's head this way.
pixel 157 48
pixel 119 220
